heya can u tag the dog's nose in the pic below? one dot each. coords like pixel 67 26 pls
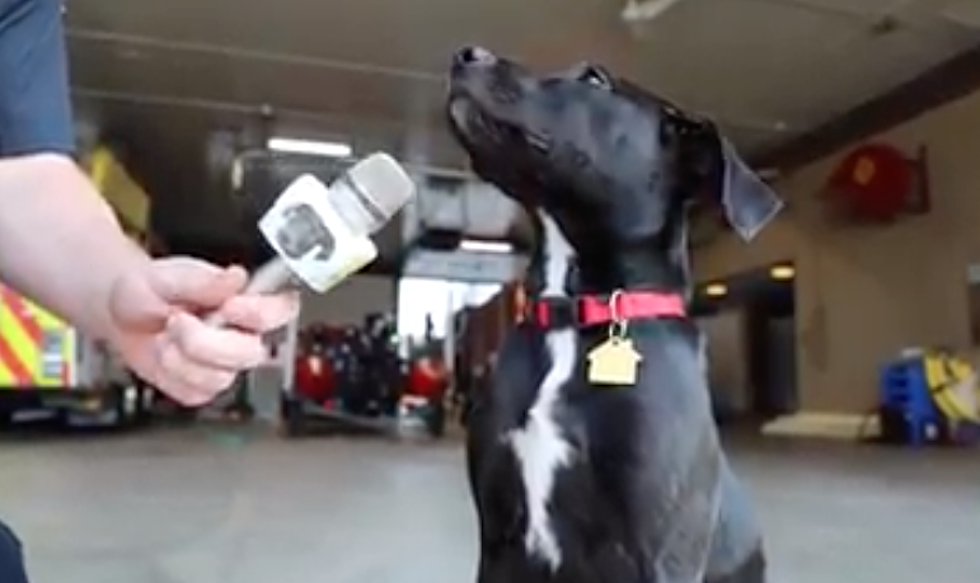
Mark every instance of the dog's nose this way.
pixel 467 56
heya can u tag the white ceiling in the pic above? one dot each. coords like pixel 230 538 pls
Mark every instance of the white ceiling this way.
pixel 372 70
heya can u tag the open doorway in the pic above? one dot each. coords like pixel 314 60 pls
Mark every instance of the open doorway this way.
pixel 750 321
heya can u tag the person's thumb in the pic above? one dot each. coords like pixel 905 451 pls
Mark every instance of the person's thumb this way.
pixel 194 284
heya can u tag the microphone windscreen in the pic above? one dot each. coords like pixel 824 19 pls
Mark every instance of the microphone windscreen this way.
pixel 385 184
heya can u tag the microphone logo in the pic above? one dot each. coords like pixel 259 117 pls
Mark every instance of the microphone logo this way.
pixel 302 232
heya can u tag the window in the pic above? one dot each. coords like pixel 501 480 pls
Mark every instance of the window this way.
pixel 420 299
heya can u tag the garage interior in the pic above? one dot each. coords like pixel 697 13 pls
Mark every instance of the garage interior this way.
pixel 187 98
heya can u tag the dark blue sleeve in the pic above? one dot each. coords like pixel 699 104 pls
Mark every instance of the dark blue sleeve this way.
pixel 35 106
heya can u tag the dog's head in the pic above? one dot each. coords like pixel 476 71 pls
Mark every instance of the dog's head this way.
pixel 612 163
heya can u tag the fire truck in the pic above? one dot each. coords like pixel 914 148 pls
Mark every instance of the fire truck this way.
pixel 49 369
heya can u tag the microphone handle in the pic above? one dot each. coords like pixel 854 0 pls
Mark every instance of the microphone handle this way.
pixel 271 277
pixel 275 275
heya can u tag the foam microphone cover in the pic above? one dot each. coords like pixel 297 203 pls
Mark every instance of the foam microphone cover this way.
pixel 383 185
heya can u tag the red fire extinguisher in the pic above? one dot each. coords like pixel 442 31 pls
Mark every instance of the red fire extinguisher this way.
pixel 314 377
pixel 427 378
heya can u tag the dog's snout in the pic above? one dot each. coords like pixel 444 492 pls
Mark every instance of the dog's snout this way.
pixel 473 55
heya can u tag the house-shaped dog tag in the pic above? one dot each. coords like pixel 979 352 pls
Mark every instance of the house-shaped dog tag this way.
pixel 614 362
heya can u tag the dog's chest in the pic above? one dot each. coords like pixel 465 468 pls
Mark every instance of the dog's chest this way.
pixel 545 493
pixel 582 468
pixel 541 446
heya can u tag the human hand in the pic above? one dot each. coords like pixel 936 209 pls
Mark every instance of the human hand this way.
pixel 157 315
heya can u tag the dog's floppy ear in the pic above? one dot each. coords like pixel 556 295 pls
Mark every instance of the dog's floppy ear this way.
pixel 749 203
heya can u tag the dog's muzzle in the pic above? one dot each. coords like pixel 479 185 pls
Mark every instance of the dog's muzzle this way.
pixel 473 57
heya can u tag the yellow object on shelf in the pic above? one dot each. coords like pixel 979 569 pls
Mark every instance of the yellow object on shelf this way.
pixel 127 198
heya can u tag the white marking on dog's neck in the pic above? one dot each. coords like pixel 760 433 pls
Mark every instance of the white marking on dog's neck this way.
pixel 558 257
pixel 539 445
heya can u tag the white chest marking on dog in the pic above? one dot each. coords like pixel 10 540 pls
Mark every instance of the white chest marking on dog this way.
pixel 539 446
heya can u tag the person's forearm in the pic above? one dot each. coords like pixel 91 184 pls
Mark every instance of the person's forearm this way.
pixel 60 242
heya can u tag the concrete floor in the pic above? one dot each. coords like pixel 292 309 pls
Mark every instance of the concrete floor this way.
pixel 210 506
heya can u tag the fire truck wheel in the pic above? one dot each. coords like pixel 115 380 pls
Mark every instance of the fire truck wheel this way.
pixel 144 404
pixel 128 405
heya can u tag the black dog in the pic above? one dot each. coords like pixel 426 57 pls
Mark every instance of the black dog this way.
pixel 575 481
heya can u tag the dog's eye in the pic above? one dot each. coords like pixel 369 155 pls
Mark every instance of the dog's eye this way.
pixel 596 76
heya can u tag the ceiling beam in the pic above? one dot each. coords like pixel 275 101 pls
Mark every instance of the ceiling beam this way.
pixel 944 83
pixel 243 53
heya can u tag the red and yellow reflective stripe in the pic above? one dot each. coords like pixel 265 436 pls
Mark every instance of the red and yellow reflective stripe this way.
pixel 13 371
pixel 20 341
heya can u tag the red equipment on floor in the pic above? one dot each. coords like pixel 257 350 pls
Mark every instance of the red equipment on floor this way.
pixel 314 377
pixel 427 379
pixel 314 374
pixel 353 378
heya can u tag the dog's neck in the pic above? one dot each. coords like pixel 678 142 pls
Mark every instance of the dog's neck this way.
pixel 630 269
pixel 556 269
pixel 552 268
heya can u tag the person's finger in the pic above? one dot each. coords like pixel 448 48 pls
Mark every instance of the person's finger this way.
pixel 165 376
pixel 260 313
pixel 210 346
pixel 134 302
pixel 191 382
pixel 194 283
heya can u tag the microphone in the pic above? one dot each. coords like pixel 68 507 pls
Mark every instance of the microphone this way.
pixel 322 234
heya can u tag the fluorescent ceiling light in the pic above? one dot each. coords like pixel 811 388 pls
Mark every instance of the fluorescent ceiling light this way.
pixel 477 246
pixel 312 147
pixel 782 272
pixel 715 290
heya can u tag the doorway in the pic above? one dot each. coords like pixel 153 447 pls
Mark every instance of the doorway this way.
pixel 750 321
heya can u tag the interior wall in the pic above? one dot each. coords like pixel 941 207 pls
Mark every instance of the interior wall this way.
pixel 865 293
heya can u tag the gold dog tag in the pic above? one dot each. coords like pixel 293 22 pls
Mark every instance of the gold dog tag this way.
pixel 614 362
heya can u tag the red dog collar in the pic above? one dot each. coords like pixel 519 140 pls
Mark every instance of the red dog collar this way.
pixel 584 311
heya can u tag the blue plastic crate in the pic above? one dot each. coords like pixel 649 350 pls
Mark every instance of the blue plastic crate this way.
pixel 903 387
